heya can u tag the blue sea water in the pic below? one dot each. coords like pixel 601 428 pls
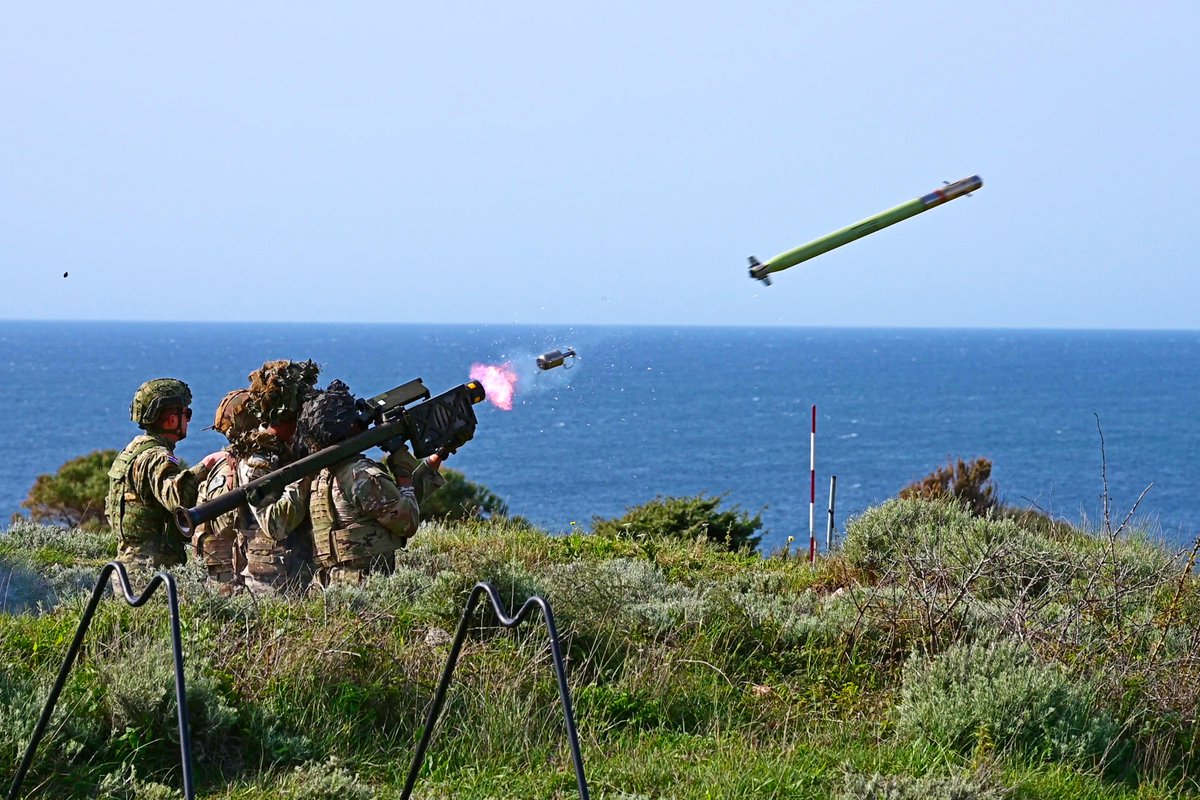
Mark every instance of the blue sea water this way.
pixel 649 411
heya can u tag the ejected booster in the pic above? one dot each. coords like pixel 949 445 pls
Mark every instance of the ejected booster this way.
pixel 860 229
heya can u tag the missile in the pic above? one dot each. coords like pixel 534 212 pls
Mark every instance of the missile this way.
pixel 555 358
pixel 760 270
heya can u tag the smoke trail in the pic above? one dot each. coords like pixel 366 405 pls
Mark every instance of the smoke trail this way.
pixel 499 381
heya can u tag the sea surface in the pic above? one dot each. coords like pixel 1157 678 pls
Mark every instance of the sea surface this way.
pixel 663 411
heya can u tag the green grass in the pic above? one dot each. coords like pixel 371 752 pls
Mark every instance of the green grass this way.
pixel 695 672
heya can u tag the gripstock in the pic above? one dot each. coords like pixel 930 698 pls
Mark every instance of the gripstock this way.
pixel 438 424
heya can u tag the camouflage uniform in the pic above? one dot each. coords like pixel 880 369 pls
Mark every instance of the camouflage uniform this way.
pixel 360 518
pixel 146 483
pixel 361 515
pixel 216 541
pixel 276 540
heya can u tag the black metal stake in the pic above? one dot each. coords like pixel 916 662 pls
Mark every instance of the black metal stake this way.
pixel 439 697
pixel 185 739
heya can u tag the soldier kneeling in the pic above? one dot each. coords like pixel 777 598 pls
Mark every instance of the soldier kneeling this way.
pixel 361 514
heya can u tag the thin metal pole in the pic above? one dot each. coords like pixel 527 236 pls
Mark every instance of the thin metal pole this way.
pixel 829 527
pixel 812 489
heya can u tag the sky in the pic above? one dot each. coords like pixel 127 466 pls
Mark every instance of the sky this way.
pixel 599 163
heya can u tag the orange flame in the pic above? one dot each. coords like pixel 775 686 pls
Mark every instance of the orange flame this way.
pixel 499 381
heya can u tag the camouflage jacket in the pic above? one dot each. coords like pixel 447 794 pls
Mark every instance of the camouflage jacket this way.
pixel 145 485
pixel 359 512
pixel 215 541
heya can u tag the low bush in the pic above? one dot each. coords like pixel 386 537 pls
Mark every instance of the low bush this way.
pixel 999 697
pixel 686 518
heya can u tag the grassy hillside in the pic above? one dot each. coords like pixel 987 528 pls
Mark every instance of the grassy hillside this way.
pixel 939 655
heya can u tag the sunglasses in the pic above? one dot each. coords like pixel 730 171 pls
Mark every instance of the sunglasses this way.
pixel 187 414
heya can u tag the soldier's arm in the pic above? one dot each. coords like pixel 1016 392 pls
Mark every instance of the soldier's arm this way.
pixel 158 474
pixel 423 476
pixel 277 516
pixel 375 494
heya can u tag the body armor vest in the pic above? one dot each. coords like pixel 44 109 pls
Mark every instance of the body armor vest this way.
pixel 343 542
pixel 141 524
pixel 216 541
pixel 269 561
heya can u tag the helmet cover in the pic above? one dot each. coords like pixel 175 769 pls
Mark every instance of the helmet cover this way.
pixel 155 396
pixel 233 417
pixel 327 418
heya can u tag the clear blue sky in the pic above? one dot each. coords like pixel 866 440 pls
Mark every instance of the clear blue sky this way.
pixel 599 162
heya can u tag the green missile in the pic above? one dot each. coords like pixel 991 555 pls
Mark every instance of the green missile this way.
pixel 816 247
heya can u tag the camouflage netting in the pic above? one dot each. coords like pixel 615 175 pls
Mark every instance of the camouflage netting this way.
pixel 279 388
pixel 327 418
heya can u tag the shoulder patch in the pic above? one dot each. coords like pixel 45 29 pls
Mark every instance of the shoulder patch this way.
pixel 173 459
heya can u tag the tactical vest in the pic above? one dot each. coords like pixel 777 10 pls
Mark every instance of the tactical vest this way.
pixel 338 542
pixel 140 523
pixel 216 540
pixel 268 561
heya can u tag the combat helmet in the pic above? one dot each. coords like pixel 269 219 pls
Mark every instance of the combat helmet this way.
pixel 279 388
pixel 328 417
pixel 156 395
pixel 233 417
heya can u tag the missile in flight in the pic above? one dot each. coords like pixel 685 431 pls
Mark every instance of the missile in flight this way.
pixel 760 270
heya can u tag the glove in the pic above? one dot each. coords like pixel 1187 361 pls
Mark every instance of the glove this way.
pixel 401 463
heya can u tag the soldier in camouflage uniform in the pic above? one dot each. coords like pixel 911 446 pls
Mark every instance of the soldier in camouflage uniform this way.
pixel 220 543
pixel 146 482
pixel 361 514
pixel 278 548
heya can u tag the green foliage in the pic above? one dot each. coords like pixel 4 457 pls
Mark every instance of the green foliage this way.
pixel 968 483
pixel 330 780
pixel 695 671
pixel 904 787
pixel 999 697
pixel 74 496
pixel 461 499
pixel 685 518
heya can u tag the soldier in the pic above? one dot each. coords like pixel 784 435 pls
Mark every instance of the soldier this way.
pixel 277 541
pixel 146 482
pixel 219 543
pixel 361 515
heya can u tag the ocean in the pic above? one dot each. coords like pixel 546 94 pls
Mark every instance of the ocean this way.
pixel 677 411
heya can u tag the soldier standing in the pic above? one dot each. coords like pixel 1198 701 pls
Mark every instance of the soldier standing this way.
pixel 219 543
pixel 361 515
pixel 277 541
pixel 147 482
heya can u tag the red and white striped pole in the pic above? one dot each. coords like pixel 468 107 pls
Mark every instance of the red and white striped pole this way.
pixel 812 489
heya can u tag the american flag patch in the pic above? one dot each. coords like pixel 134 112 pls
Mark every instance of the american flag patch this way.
pixel 171 457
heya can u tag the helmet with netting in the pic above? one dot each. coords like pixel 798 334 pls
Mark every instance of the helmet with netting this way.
pixel 279 388
pixel 327 418
pixel 155 396
pixel 233 417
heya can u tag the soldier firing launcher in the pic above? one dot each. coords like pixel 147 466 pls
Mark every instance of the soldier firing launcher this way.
pixel 437 425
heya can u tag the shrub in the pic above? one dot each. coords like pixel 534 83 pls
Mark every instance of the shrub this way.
pixel 461 499
pixel 903 787
pixel 330 780
pixel 970 484
pixel 999 696
pixel 74 496
pixel 685 518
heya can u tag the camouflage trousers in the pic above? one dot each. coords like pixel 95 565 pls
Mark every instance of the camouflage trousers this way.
pixel 222 559
pixel 355 571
